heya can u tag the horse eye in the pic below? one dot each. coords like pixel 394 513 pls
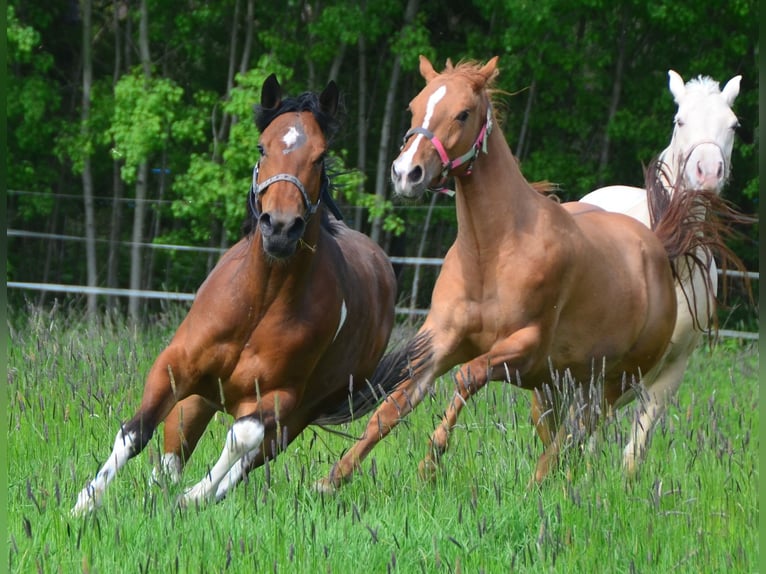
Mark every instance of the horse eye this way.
pixel 260 150
pixel 462 116
pixel 679 122
pixel 735 126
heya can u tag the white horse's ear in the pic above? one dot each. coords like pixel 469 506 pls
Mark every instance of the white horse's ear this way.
pixel 676 85
pixel 731 90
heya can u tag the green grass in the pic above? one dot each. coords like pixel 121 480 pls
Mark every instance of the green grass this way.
pixel 693 507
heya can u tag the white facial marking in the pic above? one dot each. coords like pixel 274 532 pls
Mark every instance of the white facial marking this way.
pixel 343 313
pixel 244 436
pixel 293 139
pixel 404 162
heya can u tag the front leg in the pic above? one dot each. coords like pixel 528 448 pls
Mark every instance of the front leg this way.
pixel 507 359
pixel 184 426
pixel 158 398
pixel 389 414
pixel 245 443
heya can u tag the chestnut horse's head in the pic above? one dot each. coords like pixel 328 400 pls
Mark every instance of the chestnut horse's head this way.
pixel 451 119
pixel 289 180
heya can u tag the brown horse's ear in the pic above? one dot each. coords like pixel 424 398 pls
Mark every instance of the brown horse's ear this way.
pixel 271 93
pixel 427 69
pixel 489 70
pixel 328 99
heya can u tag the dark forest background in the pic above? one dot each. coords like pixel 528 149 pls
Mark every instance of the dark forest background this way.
pixel 129 122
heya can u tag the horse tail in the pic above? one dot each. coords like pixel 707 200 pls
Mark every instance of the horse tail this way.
pixel 393 369
pixel 693 226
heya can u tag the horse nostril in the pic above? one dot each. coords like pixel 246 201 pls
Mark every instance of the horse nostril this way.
pixel 295 231
pixel 700 173
pixel 415 175
pixel 720 170
pixel 264 222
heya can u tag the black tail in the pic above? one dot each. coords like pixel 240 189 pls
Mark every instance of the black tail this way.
pixel 394 368
pixel 693 225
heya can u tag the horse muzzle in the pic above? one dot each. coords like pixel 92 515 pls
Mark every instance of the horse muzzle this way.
pixel 706 168
pixel 281 233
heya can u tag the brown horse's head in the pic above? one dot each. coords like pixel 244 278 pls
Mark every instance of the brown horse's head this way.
pixel 450 123
pixel 289 180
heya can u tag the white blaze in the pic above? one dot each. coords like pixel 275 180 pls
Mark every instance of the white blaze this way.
pixel 404 163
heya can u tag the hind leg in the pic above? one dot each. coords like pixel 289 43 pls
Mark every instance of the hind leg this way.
pixel 184 426
pixel 564 414
pixel 652 406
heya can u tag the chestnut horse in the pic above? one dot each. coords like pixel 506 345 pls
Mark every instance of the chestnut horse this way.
pixel 293 319
pixel 697 162
pixel 528 289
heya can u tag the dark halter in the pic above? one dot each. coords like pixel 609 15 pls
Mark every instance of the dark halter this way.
pixel 469 157
pixel 257 189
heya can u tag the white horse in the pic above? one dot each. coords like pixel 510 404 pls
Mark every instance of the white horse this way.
pixel 698 158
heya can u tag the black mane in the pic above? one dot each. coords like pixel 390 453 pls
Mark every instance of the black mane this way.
pixel 306 102
pixel 328 124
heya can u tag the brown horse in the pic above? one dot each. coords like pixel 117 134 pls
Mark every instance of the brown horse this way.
pixel 293 319
pixel 529 292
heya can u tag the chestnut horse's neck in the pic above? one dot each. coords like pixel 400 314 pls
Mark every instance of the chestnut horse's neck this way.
pixel 495 199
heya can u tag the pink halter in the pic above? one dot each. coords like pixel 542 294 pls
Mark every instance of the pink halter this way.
pixel 447 164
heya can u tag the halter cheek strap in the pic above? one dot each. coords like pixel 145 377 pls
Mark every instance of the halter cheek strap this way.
pixel 468 157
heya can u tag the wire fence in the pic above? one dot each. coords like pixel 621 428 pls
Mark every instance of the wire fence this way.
pixel 181 296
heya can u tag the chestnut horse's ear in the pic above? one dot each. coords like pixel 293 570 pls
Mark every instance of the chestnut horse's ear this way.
pixel 271 93
pixel 427 69
pixel 448 64
pixel 328 99
pixel 489 70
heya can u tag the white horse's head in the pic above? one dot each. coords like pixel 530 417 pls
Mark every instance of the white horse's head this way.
pixel 704 131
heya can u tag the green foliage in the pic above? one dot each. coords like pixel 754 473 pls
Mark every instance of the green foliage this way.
pixel 567 51
pixel 147 112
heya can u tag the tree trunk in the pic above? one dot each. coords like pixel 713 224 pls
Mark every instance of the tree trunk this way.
pixel 421 251
pixel 519 149
pixel 381 175
pixel 134 302
pixel 87 175
pixel 361 125
pixel 614 103
pixel 117 188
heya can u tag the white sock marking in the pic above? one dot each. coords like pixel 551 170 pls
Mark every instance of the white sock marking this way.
pixel 90 496
pixel 244 436
pixel 169 468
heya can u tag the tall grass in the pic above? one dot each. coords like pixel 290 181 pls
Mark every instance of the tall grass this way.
pixel 692 508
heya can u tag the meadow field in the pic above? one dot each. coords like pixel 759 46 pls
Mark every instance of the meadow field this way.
pixel 693 507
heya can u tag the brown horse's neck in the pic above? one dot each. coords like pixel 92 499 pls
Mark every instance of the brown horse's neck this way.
pixel 271 279
pixel 495 196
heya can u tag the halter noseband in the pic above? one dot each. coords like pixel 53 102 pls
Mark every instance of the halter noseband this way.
pixel 469 157
pixel 257 189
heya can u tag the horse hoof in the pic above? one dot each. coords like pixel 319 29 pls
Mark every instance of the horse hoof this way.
pixel 87 501
pixel 428 469
pixel 325 486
